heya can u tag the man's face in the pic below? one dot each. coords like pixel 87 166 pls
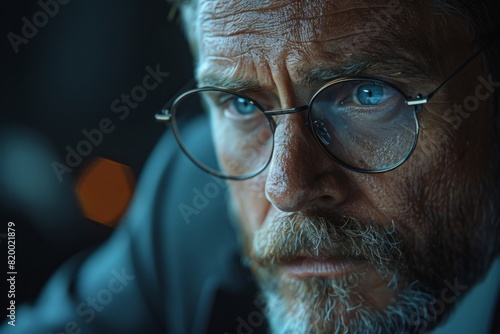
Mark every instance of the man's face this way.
pixel 332 248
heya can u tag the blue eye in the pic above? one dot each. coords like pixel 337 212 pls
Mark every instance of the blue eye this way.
pixel 370 94
pixel 243 107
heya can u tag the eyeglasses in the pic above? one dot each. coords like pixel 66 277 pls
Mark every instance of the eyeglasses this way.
pixel 364 124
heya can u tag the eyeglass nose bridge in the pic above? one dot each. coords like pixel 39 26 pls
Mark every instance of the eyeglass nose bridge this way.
pixel 286 111
pixel 322 137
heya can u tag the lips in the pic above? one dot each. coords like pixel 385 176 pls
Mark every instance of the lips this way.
pixel 306 267
pixel 299 246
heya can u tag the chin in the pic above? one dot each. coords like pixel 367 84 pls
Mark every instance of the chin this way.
pixel 365 301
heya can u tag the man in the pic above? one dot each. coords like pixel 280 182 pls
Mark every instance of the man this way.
pixel 362 161
pixel 346 225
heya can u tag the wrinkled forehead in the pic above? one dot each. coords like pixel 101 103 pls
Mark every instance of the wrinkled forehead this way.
pixel 270 32
pixel 299 20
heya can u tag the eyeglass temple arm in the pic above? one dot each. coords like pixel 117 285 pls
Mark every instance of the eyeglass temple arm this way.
pixel 165 116
pixel 423 100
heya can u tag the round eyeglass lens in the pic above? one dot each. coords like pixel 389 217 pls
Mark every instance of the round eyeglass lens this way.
pixel 364 125
pixel 236 140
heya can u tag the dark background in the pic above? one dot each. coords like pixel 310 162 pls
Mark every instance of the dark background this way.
pixel 61 82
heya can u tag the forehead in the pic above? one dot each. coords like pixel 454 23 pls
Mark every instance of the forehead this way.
pixel 254 40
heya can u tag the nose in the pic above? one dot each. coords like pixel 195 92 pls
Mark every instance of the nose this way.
pixel 301 176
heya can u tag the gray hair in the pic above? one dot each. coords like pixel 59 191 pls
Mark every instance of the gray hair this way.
pixel 480 15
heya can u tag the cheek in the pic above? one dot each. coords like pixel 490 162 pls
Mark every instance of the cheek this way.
pixel 251 202
pixel 404 195
pixel 439 145
pixel 238 155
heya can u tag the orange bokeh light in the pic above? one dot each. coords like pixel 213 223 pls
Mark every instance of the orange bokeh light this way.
pixel 105 190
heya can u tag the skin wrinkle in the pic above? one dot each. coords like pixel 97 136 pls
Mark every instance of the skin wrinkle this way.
pixel 250 25
pixel 224 20
pixel 342 33
pixel 426 200
pixel 288 99
pixel 243 7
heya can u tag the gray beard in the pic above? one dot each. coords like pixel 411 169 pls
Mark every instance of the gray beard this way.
pixel 338 305
pixel 321 306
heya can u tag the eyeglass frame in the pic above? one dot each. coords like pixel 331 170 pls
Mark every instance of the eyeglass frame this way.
pixel 166 116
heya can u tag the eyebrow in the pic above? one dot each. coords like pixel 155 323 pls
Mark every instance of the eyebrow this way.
pixel 394 66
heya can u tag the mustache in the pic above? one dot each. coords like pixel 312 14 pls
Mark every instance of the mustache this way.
pixel 293 236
